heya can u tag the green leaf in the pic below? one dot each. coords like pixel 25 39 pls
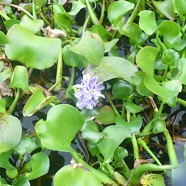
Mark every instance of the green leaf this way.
pixel 37 102
pixel 121 90
pixel 179 6
pixel 120 153
pixel 60 128
pixel 156 88
pixel 132 107
pixel 6 73
pixel 64 20
pixel 110 44
pixel 79 176
pixel 138 80
pixel 182 76
pixel 4 161
pixel 133 126
pixel 86 47
pixel 11 131
pixel 147 21
pixel 170 57
pixel 73 59
pixel 21 181
pixel 170 30
pixel 173 85
pixel 158 126
pixel 2 106
pixel 30 50
pixel 90 132
pixel 106 115
pixel 152 179
pixel 101 31
pixel 111 141
pixel 166 8
pixel 31 25
pixel 112 67
pixel 39 165
pixel 117 10
pixel 26 145
pixel 40 3
pixel 3 38
pixel 131 30
pixel 147 64
pixel 76 7
pixel 19 78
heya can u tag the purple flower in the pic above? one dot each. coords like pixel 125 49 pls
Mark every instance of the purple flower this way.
pixel 89 92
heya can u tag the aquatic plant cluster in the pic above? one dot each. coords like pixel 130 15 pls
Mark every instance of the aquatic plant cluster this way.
pixel 127 70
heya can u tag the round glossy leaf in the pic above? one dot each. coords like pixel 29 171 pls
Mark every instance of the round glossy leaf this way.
pixel 132 31
pixel 166 8
pixel 10 132
pixel 4 161
pixel 21 181
pixel 39 165
pixel 86 47
pixel 121 90
pixel 31 25
pixel 106 115
pixel 170 30
pixel 76 7
pixel 173 85
pixel 120 153
pixel 78 176
pixel 19 78
pixel 37 102
pixel 170 56
pixel 157 89
pixel 133 126
pixel 138 80
pixel 60 128
pixel 26 145
pixel 73 59
pixel 64 20
pixel 144 62
pixel 117 10
pixel 31 50
pixel 101 31
pixel 3 38
pixel 90 132
pixel 147 21
pixel 158 126
pixel 112 67
pixel 113 137
pixel 132 107
pixel 179 6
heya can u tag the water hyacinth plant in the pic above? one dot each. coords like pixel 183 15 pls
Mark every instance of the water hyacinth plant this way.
pixel 89 92
pixel 122 123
